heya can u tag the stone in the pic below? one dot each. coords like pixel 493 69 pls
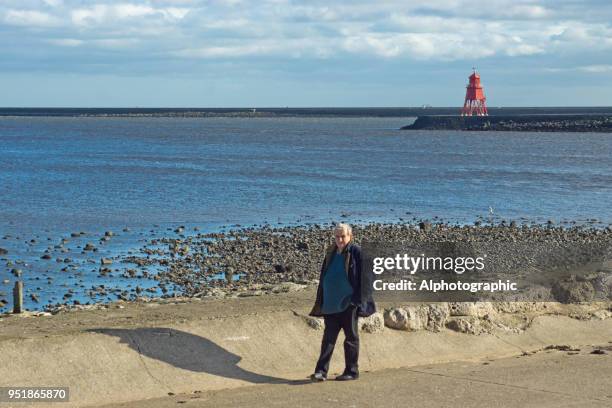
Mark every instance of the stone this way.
pixel 89 247
pixel 109 234
pixel 287 287
pixel 106 261
pixel 478 309
pixel 571 291
pixel 45 256
pixel 425 226
pixel 3 251
pixel 437 314
pixel 314 322
pixel 372 324
pixel 602 314
pixel 406 318
pixel 465 324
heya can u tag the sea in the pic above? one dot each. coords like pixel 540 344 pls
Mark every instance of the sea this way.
pixel 67 179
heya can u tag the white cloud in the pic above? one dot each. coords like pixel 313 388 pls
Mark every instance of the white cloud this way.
pixel 30 18
pixel 109 14
pixel 598 69
pixel 441 30
pixel 116 43
pixel 65 42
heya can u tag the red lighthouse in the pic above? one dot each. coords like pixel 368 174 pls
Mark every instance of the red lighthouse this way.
pixel 474 104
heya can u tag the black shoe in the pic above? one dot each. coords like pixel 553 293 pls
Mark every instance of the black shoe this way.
pixel 318 377
pixel 347 377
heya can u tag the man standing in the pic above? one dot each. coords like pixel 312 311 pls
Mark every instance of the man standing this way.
pixel 341 300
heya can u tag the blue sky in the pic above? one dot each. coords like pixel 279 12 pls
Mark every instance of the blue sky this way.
pixel 195 53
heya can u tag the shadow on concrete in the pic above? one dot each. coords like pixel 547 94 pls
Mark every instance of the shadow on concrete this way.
pixel 190 352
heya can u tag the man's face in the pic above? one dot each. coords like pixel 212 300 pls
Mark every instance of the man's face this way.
pixel 342 238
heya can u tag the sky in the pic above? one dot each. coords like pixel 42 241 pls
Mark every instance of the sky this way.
pixel 300 53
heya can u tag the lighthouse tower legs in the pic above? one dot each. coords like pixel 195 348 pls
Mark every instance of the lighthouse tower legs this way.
pixel 475 100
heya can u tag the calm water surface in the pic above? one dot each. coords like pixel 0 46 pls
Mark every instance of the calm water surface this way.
pixel 64 174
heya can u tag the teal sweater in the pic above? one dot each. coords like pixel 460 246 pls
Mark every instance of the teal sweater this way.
pixel 337 290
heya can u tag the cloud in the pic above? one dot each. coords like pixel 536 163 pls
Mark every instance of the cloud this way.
pixel 598 69
pixel 420 30
pixel 66 42
pixel 30 18
pixel 109 13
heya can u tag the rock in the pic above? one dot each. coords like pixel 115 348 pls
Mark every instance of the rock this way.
pixel 250 293
pixel 437 314
pixel 602 314
pixel 572 291
pixel 75 234
pixel 406 318
pixel 372 324
pixel 302 246
pixel 106 261
pixel 317 324
pixel 287 287
pixel 229 274
pixel 561 347
pixel 89 247
pixel 478 309
pixel 16 272
pixel 2 303
pixel 109 234
pixel 3 251
pixel 6 281
pixel 313 322
pixel 34 297
pixel 425 226
pixel 465 324
pixel 45 256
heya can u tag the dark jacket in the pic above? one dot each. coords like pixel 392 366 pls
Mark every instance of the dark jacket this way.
pixel 362 296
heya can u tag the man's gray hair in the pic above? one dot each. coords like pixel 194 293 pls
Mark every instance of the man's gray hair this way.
pixel 344 227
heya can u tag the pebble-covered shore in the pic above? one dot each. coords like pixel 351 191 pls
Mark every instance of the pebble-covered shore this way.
pixel 255 261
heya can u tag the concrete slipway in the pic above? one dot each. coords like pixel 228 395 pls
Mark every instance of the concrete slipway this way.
pixel 146 351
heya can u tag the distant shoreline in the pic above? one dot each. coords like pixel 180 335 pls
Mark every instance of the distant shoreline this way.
pixel 289 112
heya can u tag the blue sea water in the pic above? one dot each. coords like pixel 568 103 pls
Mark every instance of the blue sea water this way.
pixel 64 174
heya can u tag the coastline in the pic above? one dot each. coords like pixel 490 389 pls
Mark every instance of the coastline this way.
pixel 244 262
pixel 214 343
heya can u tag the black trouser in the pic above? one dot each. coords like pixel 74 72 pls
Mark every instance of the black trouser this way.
pixel 347 321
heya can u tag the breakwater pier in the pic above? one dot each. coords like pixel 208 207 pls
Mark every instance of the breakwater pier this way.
pixel 521 123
